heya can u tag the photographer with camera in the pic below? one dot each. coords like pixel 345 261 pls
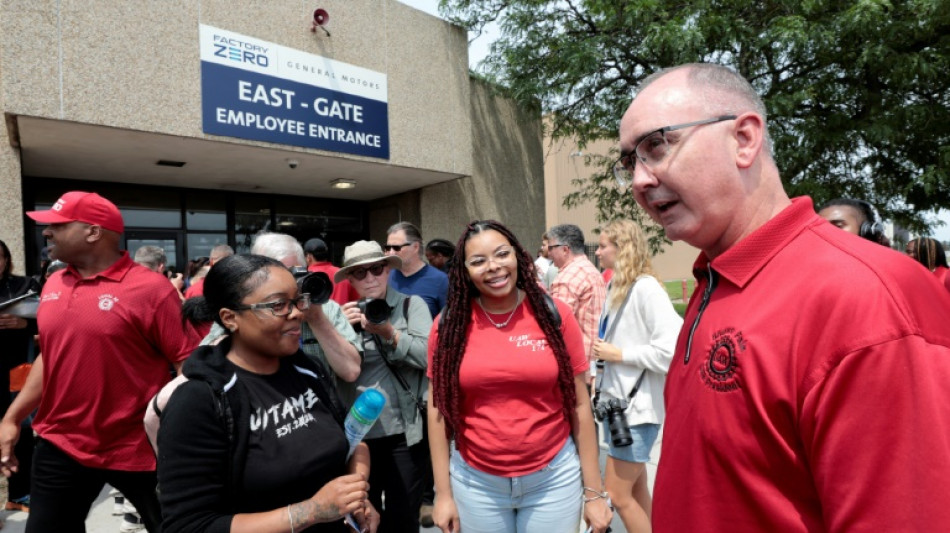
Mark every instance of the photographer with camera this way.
pixel 638 331
pixel 395 333
pixel 326 336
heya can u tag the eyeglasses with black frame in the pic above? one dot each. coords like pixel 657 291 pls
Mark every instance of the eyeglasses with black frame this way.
pixel 280 308
pixel 653 148
pixel 359 274
pixel 552 246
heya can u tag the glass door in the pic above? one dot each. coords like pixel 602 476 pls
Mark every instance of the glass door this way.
pixel 170 241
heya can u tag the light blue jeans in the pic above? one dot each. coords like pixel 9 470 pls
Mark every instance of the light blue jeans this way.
pixel 546 501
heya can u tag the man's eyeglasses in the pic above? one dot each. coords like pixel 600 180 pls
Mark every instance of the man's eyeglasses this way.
pixel 360 273
pixel 552 246
pixel 280 308
pixel 653 149
pixel 479 263
pixel 394 247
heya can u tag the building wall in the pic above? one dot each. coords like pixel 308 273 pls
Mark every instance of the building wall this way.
pixel 564 162
pixel 508 181
pixel 11 208
pixel 135 65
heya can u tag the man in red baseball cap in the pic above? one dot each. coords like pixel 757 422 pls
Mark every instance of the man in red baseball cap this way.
pixel 81 206
pixel 109 330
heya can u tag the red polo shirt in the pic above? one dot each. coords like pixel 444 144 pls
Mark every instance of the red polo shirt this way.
pixel 107 342
pixel 813 394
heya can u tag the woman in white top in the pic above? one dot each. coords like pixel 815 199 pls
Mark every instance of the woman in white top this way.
pixel 638 335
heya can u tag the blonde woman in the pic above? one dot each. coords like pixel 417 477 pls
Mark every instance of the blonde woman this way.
pixel 638 331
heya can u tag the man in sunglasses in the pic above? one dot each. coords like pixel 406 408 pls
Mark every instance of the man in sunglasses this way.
pixel 808 387
pixel 415 276
pixel 395 333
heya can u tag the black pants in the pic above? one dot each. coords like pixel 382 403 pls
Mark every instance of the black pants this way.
pixel 396 470
pixel 428 480
pixel 20 482
pixel 63 491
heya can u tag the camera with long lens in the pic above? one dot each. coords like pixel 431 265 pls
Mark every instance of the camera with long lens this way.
pixel 612 410
pixel 375 310
pixel 316 284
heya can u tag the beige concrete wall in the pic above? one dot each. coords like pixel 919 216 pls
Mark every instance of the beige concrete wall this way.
pixel 136 65
pixel 564 162
pixel 11 200
pixel 508 181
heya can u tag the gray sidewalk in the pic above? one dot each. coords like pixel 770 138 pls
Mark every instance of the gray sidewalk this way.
pixel 101 519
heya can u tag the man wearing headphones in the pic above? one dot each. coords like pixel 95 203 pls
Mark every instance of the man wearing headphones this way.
pixel 857 217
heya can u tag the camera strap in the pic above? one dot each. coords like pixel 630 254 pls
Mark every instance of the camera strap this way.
pixel 400 378
pixel 608 334
pixel 395 372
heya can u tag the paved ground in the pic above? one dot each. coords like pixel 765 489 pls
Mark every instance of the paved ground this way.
pixel 101 519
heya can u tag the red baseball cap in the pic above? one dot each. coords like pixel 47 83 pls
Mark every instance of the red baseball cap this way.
pixel 86 207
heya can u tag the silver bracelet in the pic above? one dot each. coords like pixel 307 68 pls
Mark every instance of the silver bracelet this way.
pixel 598 495
pixel 290 517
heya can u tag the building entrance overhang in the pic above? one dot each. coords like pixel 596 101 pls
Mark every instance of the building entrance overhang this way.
pixel 63 149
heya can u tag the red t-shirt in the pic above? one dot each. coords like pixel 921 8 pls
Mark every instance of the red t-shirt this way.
pixel 107 342
pixel 512 420
pixel 343 291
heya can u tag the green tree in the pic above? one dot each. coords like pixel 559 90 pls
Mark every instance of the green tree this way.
pixel 856 89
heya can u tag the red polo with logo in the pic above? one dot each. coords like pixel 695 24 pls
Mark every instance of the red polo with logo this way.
pixel 808 391
pixel 107 342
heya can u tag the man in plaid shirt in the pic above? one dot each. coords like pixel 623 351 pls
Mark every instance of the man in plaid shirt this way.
pixel 578 282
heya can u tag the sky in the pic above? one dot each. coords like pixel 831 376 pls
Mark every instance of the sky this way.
pixel 478 49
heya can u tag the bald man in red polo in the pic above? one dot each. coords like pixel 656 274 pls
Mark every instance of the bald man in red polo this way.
pixel 109 331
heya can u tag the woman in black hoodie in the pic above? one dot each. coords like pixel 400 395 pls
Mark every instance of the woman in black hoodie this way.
pixel 253 441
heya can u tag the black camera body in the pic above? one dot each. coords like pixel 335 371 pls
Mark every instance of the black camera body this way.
pixel 375 310
pixel 316 284
pixel 612 410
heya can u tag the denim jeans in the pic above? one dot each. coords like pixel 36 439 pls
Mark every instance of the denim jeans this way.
pixel 546 501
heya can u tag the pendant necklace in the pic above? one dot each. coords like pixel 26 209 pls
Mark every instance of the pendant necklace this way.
pixel 500 325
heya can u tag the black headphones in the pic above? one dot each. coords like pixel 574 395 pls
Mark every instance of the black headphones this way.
pixel 872 228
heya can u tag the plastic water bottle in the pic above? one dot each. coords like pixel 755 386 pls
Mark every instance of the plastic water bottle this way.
pixel 362 416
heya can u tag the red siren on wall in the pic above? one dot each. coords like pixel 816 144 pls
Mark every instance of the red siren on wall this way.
pixel 320 19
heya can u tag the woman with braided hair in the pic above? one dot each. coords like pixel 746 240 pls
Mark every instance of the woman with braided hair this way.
pixel 929 252
pixel 510 426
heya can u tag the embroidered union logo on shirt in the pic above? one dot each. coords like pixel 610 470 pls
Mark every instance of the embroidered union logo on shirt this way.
pixel 107 302
pixel 525 341
pixel 50 296
pixel 720 369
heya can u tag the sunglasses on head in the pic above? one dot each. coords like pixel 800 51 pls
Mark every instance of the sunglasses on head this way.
pixel 360 273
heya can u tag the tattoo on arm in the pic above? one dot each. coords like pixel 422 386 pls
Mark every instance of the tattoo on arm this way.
pixel 309 512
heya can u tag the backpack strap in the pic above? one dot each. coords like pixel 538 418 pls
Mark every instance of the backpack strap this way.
pixel 326 390
pixel 552 308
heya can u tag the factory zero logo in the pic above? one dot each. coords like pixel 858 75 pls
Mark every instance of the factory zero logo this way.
pixel 241 51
